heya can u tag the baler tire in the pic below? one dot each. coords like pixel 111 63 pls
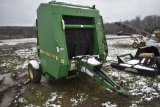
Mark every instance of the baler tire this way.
pixel 135 45
pixel 34 74
pixel 142 44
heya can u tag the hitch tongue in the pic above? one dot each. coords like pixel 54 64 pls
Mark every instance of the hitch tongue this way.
pixel 95 71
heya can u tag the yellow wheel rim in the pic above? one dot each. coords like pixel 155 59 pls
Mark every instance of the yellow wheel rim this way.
pixel 30 72
pixel 135 45
pixel 142 44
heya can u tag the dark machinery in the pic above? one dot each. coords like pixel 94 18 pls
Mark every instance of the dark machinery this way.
pixel 138 38
pixel 145 62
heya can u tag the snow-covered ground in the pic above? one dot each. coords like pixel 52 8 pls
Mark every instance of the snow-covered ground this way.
pixel 145 88
pixel 17 41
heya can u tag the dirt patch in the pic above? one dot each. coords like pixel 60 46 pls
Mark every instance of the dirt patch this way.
pixel 13 70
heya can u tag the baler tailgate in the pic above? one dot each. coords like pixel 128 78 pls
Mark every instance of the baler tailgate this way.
pixel 79 35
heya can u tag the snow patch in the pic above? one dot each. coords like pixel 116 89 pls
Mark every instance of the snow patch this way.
pixel 85 70
pixel 22 100
pixel 108 104
pixel 158 86
pixel 125 65
pixel 17 41
pixel 49 102
pixel 143 67
pixel 93 61
pixel 79 99
pixel 133 62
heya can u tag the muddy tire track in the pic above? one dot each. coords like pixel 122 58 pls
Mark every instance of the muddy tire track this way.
pixel 13 77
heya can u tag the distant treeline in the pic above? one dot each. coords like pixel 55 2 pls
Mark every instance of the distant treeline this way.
pixel 7 32
pixel 149 24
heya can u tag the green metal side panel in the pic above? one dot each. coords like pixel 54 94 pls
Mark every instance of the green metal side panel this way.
pixel 99 47
pixel 46 41
pixel 104 41
pixel 61 45
pixel 52 43
pixel 74 11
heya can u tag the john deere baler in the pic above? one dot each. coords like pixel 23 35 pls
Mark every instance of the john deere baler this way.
pixel 70 40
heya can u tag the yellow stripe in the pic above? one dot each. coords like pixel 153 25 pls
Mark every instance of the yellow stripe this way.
pixel 48 54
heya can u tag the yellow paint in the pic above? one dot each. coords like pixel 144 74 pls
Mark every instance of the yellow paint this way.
pixel 72 69
pixel 30 72
pixel 49 54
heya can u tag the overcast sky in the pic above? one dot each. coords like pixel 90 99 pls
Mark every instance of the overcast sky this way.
pixel 23 12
